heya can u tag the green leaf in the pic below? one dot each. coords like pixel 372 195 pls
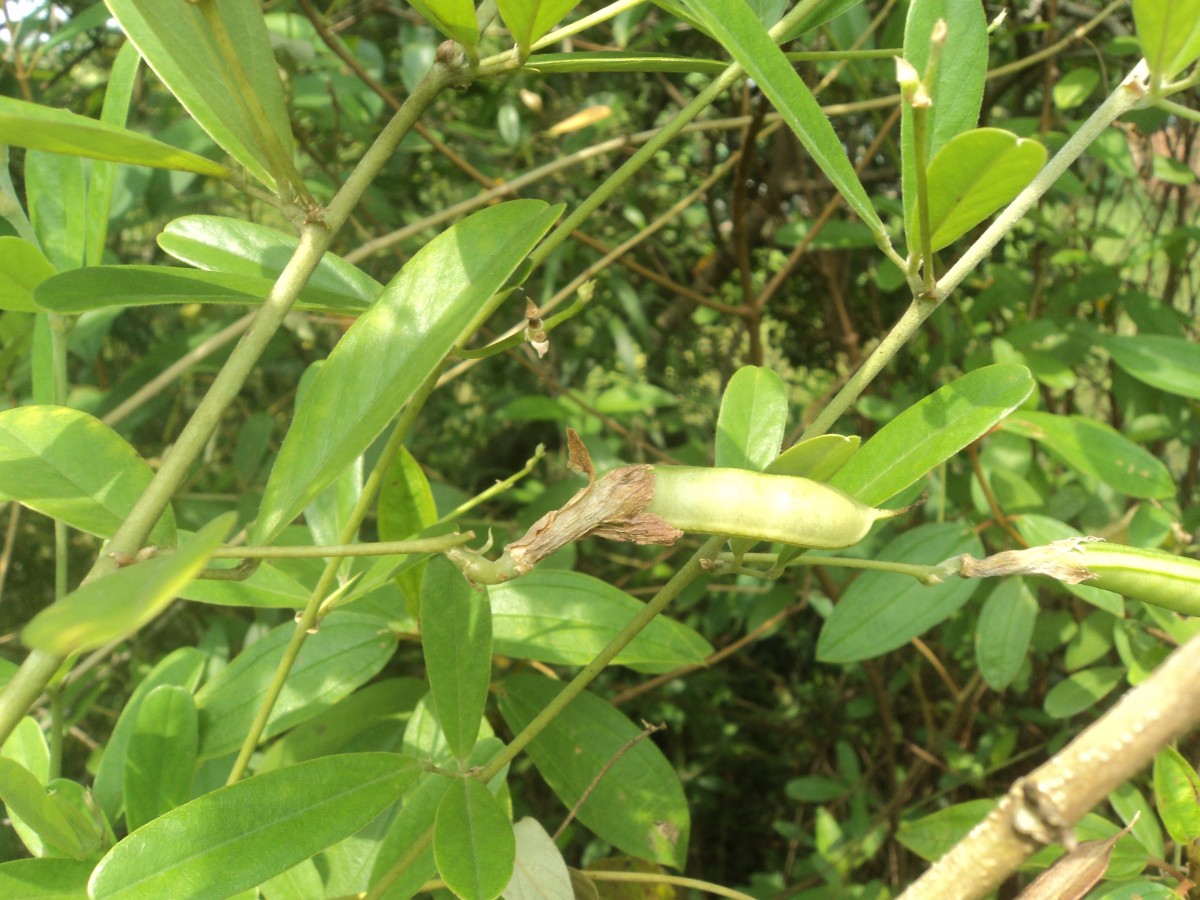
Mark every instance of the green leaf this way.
pixel 438 299
pixel 238 99
pixel 1169 32
pixel 1177 795
pixel 539 871
pixel 752 419
pixel 22 268
pixel 161 757
pixel 414 820
pixel 638 806
pixel 1136 812
pixel 59 131
pixel 348 650
pixel 931 836
pixel 973 175
pixel 70 466
pixel 884 610
pixel 566 618
pixel 453 18
pixel 1075 87
pixel 406 508
pixel 183 668
pixel 473 841
pixel 118 94
pixel 100 287
pixel 1038 530
pixel 737 28
pixel 822 12
pixel 52 817
pixel 818 458
pixel 932 430
pixel 1081 691
pixel 1171 364
pixel 44 879
pixel 120 603
pixel 528 20
pixel 220 244
pixel 1096 450
pixel 380 707
pixel 456 637
pixel 56 191
pixel 239 836
pixel 957 89
pixel 1004 631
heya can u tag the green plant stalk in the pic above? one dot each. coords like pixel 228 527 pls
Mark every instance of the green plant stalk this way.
pixel 920 572
pixel 496 489
pixel 1178 109
pixel 308 619
pixel 646 152
pixel 1128 95
pixel 39 667
pixel 379 548
pixel 283 168
pixel 920 123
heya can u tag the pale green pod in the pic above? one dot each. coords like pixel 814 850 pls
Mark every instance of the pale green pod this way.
pixel 740 503
pixel 1152 576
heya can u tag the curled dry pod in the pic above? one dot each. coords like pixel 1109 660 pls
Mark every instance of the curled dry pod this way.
pixel 1151 576
pixel 740 503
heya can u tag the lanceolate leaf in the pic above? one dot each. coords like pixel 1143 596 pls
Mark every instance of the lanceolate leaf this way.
pixel 46 877
pixel 566 618
pixel 72 467
pixel 752 420
pixel 1097 450
pixel 239 836
pixel 473 841
pixel 100 287
pixel 737 28
pixel 122 602
pixel 236 98
pixel 59 131
pixel 221 244
pixel 885 610
pixel 348 650
pixel 932 430
pixel 439 298
pixel 638 806
pixel 162 755
pixel 456 637
pixel 1171 364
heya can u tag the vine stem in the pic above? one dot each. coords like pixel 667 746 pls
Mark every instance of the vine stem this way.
pixel 39 667
pixel 1128 95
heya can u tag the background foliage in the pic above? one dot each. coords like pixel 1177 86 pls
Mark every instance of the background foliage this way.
pixel 809 766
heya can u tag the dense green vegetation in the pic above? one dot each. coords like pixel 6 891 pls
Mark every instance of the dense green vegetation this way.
pixel 961 290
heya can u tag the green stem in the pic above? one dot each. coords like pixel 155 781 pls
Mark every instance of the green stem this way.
pixel 400 866
pixel 59 327
pixel 31 678
pixel 312 610
pixel 919 572
pixel 379 548
pixel 1127 96
pixel 920 123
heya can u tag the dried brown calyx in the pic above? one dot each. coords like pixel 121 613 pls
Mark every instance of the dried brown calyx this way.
pixel 612 507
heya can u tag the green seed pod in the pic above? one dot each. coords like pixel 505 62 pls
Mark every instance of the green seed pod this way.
pixel 741 503
pixel 1152 576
